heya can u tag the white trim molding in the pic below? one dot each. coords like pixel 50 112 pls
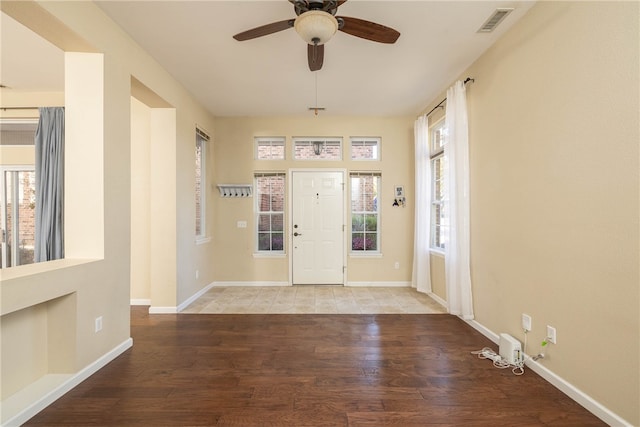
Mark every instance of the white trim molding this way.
pixel 49 395
pixel 580 397
pixel 186 303
pixel 378 284
pixel 439 300
pixel 173 310
pixel 163 310
pixel 140 301
pixel 240 284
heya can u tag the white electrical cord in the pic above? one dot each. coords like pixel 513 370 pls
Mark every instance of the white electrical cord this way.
pixel 498 361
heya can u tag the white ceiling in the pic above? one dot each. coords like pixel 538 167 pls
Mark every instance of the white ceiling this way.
pixel 269 75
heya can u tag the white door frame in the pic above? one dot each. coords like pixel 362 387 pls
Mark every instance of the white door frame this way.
pixel 342 171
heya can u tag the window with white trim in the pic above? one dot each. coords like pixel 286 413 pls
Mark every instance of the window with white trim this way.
pixel 365 148
pixel 269 211
pixel 439 166
pixel 269 148
pixel 201 173
pixel 17 197
pixel 365 212
pixel 311 148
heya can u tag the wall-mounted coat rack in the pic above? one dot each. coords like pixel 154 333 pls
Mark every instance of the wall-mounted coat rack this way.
pixel 235 190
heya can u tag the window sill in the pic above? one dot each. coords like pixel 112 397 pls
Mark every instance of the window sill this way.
pixel 365 255
pixel 436 252
pixel 202 240
pixel 269 255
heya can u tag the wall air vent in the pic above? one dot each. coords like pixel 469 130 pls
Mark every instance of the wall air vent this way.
pixel 493 21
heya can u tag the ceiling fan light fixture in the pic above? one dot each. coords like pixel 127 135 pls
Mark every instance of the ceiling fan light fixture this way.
pixel 316 27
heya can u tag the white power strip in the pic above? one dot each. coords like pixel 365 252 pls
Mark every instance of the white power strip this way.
pixel 512 352
pixel 510 349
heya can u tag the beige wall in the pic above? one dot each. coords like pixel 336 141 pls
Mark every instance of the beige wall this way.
pixel 140 200
pixel 234 157
pixel 40 300
pixel 17 155
pixel 553 118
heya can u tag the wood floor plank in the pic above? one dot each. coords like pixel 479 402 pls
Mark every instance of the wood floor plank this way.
pixel 308 370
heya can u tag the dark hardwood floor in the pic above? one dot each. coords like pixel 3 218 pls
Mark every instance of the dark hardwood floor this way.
pixel 308 370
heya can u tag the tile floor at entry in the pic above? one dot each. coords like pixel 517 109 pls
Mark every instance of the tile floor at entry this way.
pixel 303 299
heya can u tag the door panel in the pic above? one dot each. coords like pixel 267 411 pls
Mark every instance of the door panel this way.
pixel 318 235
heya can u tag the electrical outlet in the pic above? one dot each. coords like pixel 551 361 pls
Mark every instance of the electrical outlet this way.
pixel 197 274
pixel 98 324
pixel 551 334
pixel 241 224
pixel 526 322
pixel 396 265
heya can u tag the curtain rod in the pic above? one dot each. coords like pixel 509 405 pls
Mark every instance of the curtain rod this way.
pixel 467 80
pixel 18 108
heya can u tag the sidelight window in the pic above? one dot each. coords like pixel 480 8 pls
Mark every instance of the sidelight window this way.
pixel 365 212
pixel 269 211
pixel 201 173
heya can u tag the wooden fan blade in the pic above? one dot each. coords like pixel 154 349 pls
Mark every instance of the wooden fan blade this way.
pixel 368 30
pixel 315 55
pixel 264 30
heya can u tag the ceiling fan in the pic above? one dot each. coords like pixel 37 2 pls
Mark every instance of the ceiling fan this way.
pixel 316 23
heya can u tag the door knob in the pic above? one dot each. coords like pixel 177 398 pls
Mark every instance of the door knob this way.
pixel 297 234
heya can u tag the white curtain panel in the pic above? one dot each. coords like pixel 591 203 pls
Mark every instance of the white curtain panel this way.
pixel 458 274
pixel 421 279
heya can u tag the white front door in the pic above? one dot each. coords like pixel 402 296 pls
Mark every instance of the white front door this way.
pixel 317 228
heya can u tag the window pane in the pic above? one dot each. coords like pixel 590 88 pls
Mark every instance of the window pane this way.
pixel 201 173
pixel 365 149
pixel 264 241
pixel 270 212
pixel 357 241
pixel 371 242
pixel 371 222
pixel 277 222
pixel 364 212
pixel 198 186
pixel 438 136
pixel 19 216
pixel 357 222
pixel 277 242
pixel 317 149
pixel 264 222
pixel 270 148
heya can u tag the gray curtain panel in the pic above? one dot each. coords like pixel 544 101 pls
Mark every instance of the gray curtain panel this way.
pixel 49 144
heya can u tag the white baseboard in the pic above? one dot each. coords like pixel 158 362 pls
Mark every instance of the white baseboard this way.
pixel 51 395
pixel 162 310
pixel 138 301
pixel 194 297
pixel 240 284
pixel 484 331
pixel 379 284
pixel 181 306
pixel 352 284
pixel 439 300
pixel 583 399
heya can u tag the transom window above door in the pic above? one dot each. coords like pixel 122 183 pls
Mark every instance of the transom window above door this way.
pixel 269 148
pixel 365 148
pixel 311 148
